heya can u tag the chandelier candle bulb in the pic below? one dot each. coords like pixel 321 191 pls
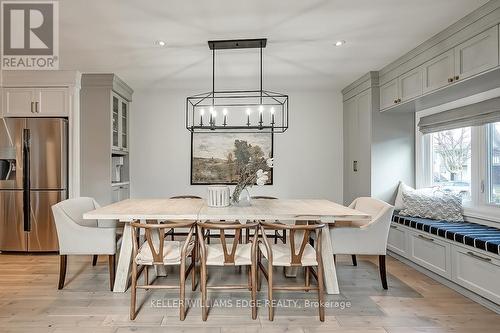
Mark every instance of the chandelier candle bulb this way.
pixel 202 113
pixel 224 112
pixel 261 109
pixel 248 117
pixel 272 116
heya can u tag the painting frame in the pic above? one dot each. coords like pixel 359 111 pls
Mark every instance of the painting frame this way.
pixel 193 182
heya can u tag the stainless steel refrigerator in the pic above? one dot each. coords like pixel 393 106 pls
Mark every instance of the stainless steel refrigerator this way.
pixel 33 177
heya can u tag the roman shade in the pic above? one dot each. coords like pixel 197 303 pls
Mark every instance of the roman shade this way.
pixel 477 114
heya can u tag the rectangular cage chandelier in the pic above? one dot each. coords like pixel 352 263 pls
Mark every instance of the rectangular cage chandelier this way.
pixel 237 111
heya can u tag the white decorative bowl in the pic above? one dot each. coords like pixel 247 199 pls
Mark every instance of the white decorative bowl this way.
pixel 218 196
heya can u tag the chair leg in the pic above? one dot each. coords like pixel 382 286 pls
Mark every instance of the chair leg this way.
pixel 321 292
pixel 276 236
pixel 204 309
pixel 94 259
pixel 182 291
pixel 258 280
pixel 254 268
pixel 383 274
pixel 146 275
pixel 307 273
pixel 112 265
pixel 354 261
pixel 284 236
pixel 133 291
pixel 270 291
pixel 193 270
pixel 334 259
pixel 63 260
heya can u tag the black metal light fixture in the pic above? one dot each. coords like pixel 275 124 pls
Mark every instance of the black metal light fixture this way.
pixel 237 111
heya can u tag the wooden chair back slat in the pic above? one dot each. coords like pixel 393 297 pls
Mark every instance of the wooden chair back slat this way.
pixel 229 256
pixel 306 229
pixel 159 229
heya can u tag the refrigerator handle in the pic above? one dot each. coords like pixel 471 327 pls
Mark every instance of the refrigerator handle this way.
pixel 26 180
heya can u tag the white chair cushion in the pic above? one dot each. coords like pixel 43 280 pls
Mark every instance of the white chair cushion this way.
pixel 171 253
pixel 282 254
pixel 242 256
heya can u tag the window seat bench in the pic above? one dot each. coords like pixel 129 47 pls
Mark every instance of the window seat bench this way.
pixel 462 255
pixel 472 234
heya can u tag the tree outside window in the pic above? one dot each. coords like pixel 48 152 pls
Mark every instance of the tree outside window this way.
pixel 451 160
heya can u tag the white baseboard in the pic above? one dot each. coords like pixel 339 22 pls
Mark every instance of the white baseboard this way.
pixel 450 284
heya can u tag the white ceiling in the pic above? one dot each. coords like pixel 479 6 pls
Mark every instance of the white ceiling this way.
pixel 118 36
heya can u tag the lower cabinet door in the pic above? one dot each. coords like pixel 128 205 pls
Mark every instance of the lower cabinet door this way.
pixel 397 240
pixel 431 253
pixel 477 272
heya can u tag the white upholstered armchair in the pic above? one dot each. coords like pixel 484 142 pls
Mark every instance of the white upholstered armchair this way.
pixel 366 239
pixel 83 237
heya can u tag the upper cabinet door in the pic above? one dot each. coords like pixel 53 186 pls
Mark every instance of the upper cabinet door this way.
pixel 124 124
pixel 115 118
pixel 439 72
pixel 389 94
pixel 410 84
pixel 477 55
pixel 18 102
pixel 52 102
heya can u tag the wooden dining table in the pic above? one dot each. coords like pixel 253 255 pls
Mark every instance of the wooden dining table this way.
pixel 285 211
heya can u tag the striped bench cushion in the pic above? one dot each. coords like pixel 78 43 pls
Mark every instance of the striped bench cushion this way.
pixel 472 234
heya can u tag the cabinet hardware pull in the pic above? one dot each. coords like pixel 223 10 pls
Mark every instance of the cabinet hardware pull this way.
pixel 395 101
pixel 393 227
pixel 36 107
pixel 450 80
pixel 399 100
pixel 473 255
pixel 457 78
pixel 32 107
pixel 426 238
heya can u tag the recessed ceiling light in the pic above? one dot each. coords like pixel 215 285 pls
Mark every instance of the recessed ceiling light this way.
pixel 339 42
pixel 160 43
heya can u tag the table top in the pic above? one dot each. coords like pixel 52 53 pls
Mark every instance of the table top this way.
pixel 197 209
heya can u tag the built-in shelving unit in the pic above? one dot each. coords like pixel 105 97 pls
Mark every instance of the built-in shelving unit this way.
pixel 105 105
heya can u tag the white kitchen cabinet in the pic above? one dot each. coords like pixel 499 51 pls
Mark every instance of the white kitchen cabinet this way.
pixel 397 240
pixel 439 71
pixel 372 141
pixel 430 252
pixel 351 143
pixel 105 102
pixel 410 84
pixel 120 112
pixel 120 193
pixel 35 102
pixel 389 94
pixel 477 54
pixel 478 272
pixel 18 101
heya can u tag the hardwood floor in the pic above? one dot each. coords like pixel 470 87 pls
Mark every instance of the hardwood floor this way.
pixel 30 302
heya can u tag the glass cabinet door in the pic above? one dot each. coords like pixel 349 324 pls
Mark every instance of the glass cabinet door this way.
pixel 115 120
pixel 124 125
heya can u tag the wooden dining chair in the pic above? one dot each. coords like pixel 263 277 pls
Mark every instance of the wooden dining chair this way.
pixel 286 255
pixel 182 232
pixel 154 251
pixel 276 234
pixel 227 254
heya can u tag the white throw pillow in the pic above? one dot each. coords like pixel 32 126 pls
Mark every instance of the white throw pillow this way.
pixel 437 206
pixel 399 203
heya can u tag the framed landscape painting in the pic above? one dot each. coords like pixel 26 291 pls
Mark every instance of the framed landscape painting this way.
pixel 216 158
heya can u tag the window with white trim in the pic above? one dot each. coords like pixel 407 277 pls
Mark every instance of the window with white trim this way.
pixel 492 186
pixel 450 158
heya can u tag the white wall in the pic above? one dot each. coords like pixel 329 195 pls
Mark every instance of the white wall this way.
pixel 308 156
